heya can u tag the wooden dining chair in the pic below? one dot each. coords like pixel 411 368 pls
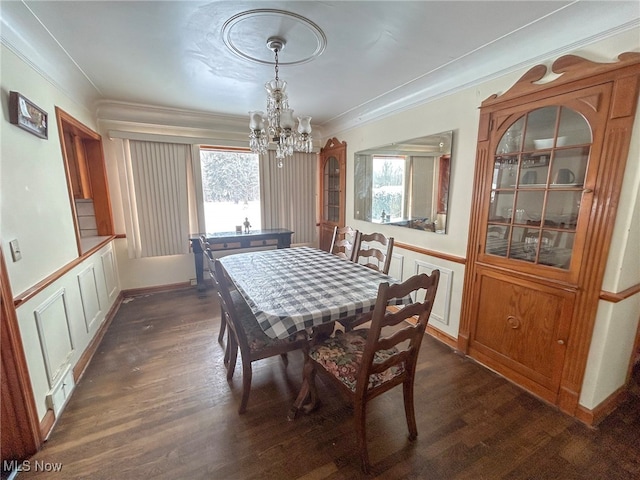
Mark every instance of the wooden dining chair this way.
pixel 344 241
pixel 375 249
pixel 245 334
pixel 367 362
pixel 208 255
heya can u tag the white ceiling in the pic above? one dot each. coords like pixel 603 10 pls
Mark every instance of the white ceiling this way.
pixel 380 56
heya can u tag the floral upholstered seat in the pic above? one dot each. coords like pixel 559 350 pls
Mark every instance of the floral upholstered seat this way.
pixel 342 356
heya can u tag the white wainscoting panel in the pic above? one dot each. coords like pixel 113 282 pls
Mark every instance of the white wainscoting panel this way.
pixel 442 303
pixel 52 321
pixel 110 277
pixel 396 267
pixel 89 295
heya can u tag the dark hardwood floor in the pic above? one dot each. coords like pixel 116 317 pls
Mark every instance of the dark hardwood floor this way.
pixel 154 403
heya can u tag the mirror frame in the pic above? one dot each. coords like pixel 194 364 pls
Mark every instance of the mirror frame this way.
pixel 437 147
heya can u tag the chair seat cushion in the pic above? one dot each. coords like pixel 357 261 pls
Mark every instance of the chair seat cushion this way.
pixel 342 357
pixel 256 337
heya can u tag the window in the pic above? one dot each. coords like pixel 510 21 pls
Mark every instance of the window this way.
pixel 231 189
pixel 388 188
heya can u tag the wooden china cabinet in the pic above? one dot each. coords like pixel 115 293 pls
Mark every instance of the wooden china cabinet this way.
pixel 549 167
pixel 333 172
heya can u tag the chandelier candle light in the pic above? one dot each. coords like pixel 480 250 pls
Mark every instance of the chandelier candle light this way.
pixel 281 124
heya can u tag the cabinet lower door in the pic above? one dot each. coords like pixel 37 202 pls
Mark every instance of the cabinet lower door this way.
pixel 521 330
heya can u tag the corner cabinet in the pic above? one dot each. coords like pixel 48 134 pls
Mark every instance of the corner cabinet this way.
pixel 549 167
pixel 333 171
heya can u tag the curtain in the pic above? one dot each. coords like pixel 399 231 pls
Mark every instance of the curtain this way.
pixel 161 201
pixel 195 193
pixel 288 195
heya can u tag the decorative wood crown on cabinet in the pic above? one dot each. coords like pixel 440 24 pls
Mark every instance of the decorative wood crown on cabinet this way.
pixel 549 167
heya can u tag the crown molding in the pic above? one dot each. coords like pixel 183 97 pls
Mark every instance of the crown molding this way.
pixel 155 115
pixel 456 77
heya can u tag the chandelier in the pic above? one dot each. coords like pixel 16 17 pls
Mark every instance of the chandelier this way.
pixel 279 125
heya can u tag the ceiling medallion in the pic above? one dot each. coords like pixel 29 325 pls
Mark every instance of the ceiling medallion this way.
pixel 239 31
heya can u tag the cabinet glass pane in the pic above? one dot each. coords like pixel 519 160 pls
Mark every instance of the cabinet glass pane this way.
pixel 570 166
pixel 562 209
pixel 529 207
pixel 534 171
pixel 511 141
pixel 501 209
pixel 505 170
pixel 498 240
pixel 573 128
pixel 559 249
pixel 541 127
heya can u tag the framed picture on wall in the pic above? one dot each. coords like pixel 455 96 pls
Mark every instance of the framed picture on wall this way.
pixel 27 115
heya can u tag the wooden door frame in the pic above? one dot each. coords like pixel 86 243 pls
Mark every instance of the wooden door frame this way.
pixel 21 435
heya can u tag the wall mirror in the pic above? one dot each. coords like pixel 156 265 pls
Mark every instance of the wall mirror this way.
pixel 405 183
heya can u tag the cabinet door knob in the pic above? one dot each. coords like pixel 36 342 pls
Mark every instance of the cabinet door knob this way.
pixel 560 342
pixel 587 190
pixel 513 322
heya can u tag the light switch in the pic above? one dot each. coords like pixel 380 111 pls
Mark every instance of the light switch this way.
pixel 15 250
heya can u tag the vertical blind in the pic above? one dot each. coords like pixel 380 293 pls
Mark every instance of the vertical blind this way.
pixel 288 195
pixel 158 198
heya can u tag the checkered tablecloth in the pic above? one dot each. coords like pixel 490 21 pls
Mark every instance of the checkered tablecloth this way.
pixel 292 289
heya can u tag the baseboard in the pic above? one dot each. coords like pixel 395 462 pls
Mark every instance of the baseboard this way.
pixel 135 292
pixel 443 337
pixel 46 424
pixel 595 416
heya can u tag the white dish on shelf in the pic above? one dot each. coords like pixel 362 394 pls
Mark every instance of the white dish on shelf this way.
pixel 544 143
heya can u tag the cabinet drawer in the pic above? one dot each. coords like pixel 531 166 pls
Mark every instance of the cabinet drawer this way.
pixel 226 246
pixel 263 243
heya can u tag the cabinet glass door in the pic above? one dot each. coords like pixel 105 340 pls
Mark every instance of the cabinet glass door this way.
pixel 331 207
pixel 539 169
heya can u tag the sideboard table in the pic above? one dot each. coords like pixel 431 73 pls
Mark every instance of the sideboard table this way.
pixel 220 241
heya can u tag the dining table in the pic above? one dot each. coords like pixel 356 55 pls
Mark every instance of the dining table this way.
pixel 303 288
pixel 300 288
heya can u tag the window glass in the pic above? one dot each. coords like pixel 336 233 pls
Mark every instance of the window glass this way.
pixel 231 189
pixel 388 188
